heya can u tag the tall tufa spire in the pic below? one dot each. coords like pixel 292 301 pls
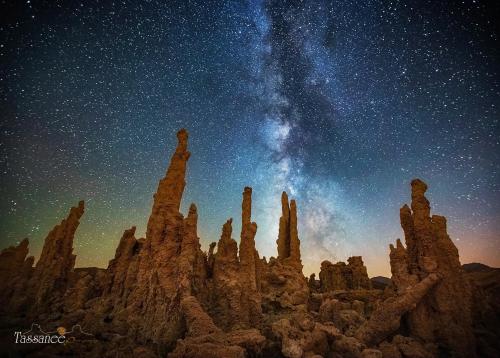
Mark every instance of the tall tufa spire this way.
pixel 247 244
pixel 57 259
pixel 430 251
pixel 168 196
pixel 288 237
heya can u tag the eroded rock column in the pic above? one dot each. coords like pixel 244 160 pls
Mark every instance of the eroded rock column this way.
pixel 52 270
pixel 444 314
pixel 249 262
pixel 288 239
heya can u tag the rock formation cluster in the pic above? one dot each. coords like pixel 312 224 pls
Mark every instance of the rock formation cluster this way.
pixel 162 295
pixel 27 289
pixel 340 276
pixel 444 316
pixel 288 237
pixel 235 278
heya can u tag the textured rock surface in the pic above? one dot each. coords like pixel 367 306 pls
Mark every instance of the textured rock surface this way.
pixel 288 238
pixel 249 262
pixel 359 273
pixel 15 273
pixel 333 276
pixel 386 319
pixel 226 293
pixel 340 276
pixel 148 279
pixel 236 296
pixel 401 276
pixel 84 285
pixel 50 276
pixel 121 271
pixel 163 296
pixel 40 290
pixel 236 344
pixel 407 347
pixel 12 260
pixel 300 336
pixel 443 316
pixel 283 287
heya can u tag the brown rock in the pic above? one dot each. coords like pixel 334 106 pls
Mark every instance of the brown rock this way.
pixel 283 285
pixel 288 239
pixel 84 284
pixel 12 261
pixel 358 273
pixel 236 344
pixel 333 276
pixel 411 348
pixel 162 295
pixel 348 321
pixel 348 347
pixel 40 291
pixel 236 296
pixel 192 261
pixel 210 259
pixel 15 272
pixel 340 276
pixel 300 336
pixel 226 308
pixel 371 353
pixel 386 319
pixel 249 262
pixel 206 347
pixel 227 247
pixel 389 350
pixel 250 339
pixel 52 271
pixel 283 288
pixel 121 267
pixel 313 283
pixel 444 315
pixel 150 278
pixel 401 276
pixel 358 306
pixel 198 322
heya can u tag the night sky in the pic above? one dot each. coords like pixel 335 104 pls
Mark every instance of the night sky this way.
pixel 339 103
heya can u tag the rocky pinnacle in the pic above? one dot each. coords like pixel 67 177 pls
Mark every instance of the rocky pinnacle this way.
pixel 167 199
pixel 247 243
pixel 430 251
pixel 288 238
pixel 57 259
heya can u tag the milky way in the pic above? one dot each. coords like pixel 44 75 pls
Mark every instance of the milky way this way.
pixel 339 103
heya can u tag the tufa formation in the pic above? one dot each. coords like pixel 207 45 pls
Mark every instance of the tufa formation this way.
pixel 443 316
pixel 340 276
pixel 162 295
pixel 288 237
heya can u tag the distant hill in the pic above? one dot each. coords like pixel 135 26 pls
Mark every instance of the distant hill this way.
pixel 486 296
pixel 477 267
pixel 380 282
pixel 488 278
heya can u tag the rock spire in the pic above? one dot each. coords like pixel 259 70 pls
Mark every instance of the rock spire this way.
pixel 57 260
pixel 288 239
pixel 444 315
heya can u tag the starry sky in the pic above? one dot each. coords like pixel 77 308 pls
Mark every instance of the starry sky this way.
pixel 340 103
